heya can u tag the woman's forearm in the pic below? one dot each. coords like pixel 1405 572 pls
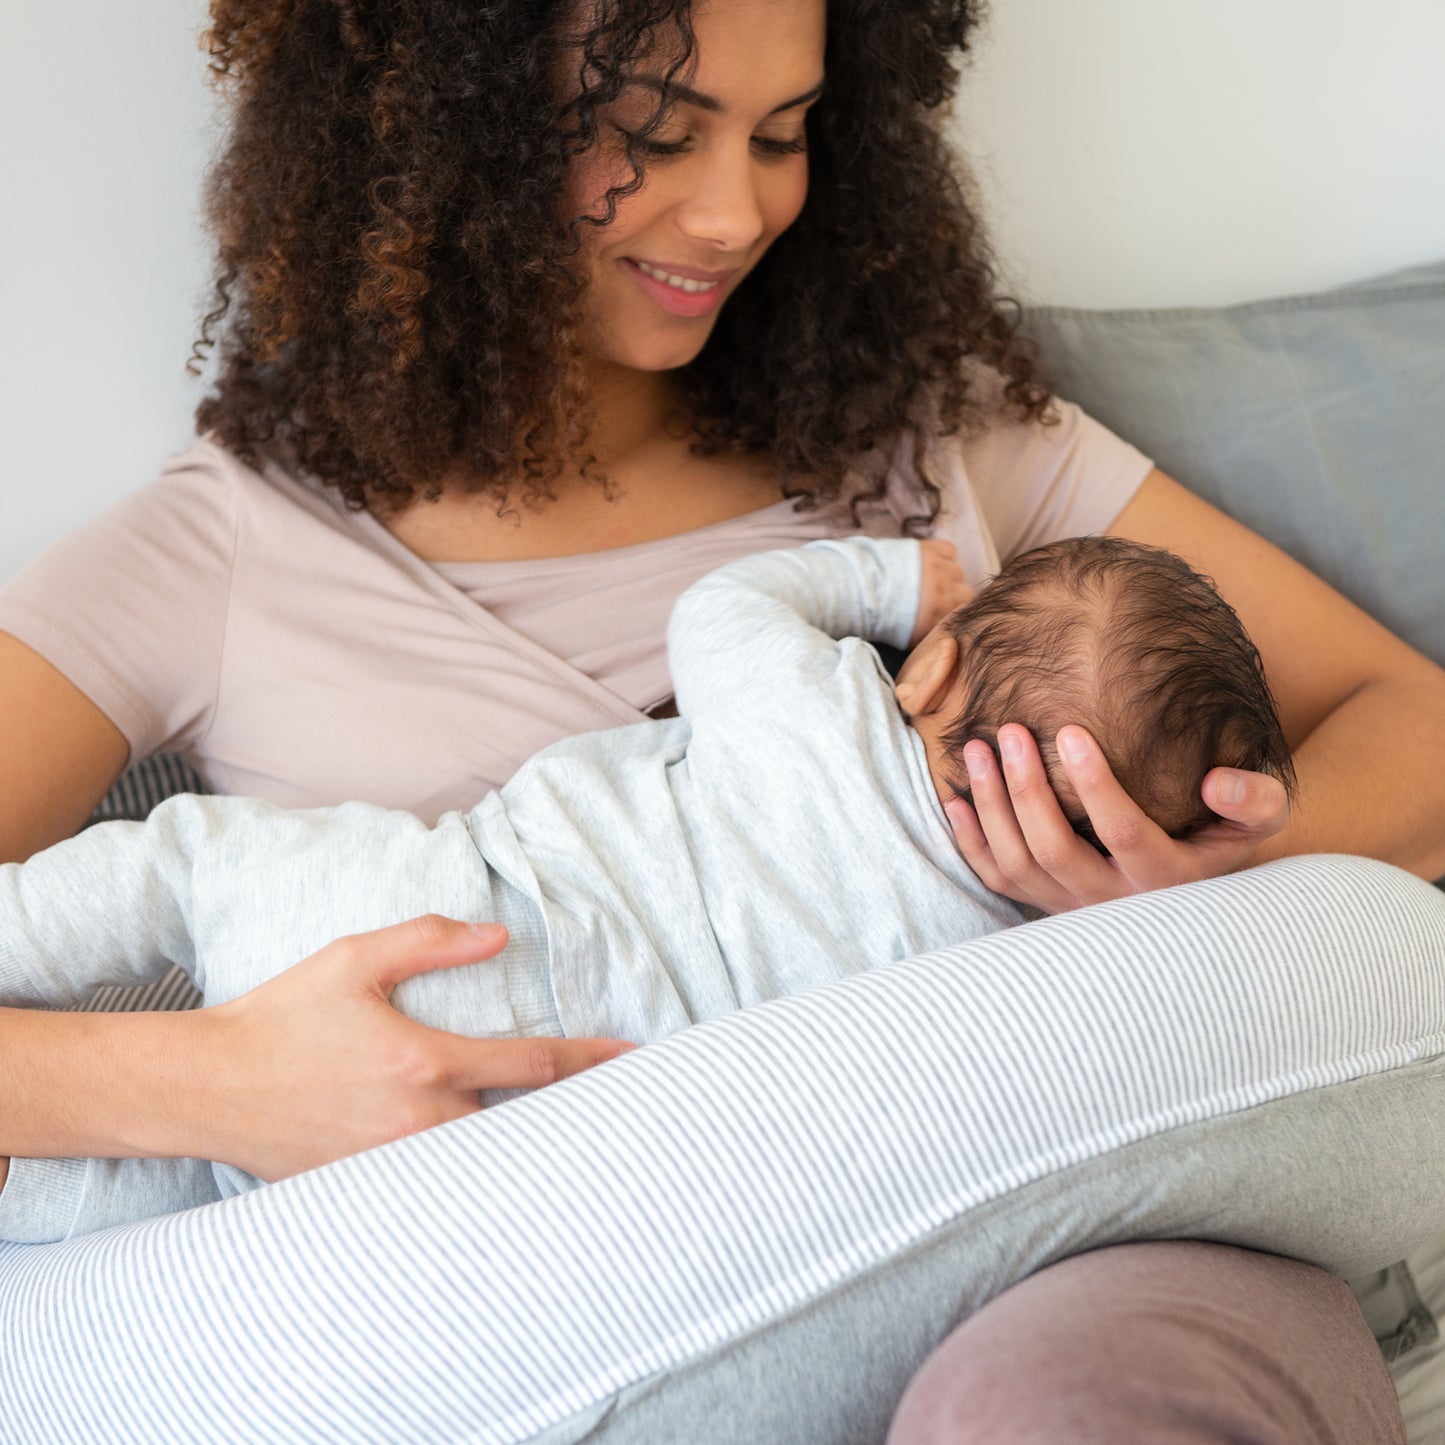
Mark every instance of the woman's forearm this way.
pixel 1371 779
pixel 308 1067
pixel 113 1085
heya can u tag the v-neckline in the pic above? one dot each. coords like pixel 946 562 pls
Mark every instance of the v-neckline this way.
pixel 380 540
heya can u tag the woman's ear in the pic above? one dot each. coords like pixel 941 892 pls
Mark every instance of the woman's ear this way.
pixel 924 678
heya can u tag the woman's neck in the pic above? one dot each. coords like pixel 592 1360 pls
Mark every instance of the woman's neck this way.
pixel 657 488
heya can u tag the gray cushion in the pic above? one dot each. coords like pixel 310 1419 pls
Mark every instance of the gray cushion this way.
pixel 1318 420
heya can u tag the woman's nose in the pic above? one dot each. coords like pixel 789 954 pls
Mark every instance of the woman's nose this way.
pixel 724 208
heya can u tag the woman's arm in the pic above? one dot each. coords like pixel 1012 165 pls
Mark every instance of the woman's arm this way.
pixel 310 1067
pixel 1364 712
pixel 59 753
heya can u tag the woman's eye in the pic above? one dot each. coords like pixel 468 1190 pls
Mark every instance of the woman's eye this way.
pixel 655 148
pixel 661 147
pixel 650 145
pixel 771 146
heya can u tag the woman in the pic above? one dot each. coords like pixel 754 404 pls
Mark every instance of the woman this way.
pixel 513 314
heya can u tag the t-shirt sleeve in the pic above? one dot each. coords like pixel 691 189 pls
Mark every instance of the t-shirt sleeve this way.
pixel 131 607
pixel 1037 482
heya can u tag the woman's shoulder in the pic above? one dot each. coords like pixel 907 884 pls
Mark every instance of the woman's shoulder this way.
pixel 206 472
pixel 1030 479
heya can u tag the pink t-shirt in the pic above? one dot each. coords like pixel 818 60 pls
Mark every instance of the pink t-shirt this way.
pixel 296 651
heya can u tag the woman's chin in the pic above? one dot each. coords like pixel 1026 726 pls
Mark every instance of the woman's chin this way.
pixel 659 353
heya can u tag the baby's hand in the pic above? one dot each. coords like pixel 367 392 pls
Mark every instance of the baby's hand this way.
pixel 942 588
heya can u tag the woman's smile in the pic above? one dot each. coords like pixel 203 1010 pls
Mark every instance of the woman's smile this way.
pixel 724 174
pixel 681 291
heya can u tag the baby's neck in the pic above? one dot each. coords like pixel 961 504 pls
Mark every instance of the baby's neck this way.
pixel 941 768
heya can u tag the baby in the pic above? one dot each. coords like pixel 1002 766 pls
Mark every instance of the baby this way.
pixel 785 831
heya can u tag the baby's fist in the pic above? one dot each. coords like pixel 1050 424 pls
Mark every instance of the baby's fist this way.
pixel 943 586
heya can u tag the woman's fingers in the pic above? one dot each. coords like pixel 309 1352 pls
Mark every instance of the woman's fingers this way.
pixel 392 955
pixel 388 956
pixel 1139 847
pixel 1252 802
pixel 1038 857
pixel 530 1063
pixel 316 1063
pixel 973 844
pixel 968 836
pixel 1019 842
pixel 1143 855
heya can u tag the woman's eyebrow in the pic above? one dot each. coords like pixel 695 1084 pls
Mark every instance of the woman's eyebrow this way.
pixel 673 90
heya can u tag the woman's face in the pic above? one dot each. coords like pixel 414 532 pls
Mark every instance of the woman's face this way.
pixel 725 175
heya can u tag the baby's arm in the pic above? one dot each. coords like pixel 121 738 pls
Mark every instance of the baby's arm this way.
pixel 767 619
pixel 110 906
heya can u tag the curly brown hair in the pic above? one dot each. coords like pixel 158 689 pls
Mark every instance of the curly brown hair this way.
pixel 397 300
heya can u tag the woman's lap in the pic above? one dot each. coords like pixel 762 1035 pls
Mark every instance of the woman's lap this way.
pixel 805 1199
pixel 1172 1343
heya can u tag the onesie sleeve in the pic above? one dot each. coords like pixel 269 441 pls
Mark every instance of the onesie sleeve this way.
pixel 767 620
pixel 131 607
pixel 45 1200
pixel 112 905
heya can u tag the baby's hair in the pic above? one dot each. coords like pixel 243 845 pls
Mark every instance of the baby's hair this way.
pixel 1133 644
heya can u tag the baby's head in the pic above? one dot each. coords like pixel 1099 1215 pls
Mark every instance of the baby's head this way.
pixel 1131 643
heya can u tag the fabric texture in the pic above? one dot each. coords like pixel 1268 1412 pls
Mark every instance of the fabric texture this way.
pixel 1419 1364
pixel 1160 1345
pixel 294 694
pixel 899 1147
pixel 652 877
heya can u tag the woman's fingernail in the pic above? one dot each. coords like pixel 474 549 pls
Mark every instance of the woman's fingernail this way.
pixel 1231 788
pixel 976 760
pixel 1010 746
pixel 1071 745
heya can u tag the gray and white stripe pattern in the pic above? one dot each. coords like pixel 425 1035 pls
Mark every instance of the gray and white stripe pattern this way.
pixel 150 781
pixel 495 1279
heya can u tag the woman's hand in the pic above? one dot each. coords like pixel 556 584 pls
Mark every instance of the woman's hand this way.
pixel 1019 842
pixel 316 1064
pixel 942 588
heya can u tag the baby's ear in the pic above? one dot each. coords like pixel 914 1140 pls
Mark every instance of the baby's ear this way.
pixel 924 678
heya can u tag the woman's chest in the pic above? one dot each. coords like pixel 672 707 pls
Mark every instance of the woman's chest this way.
pixel 657 496
pixel 424 687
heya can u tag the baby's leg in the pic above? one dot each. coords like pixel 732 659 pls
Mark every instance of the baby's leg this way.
pixel 96 909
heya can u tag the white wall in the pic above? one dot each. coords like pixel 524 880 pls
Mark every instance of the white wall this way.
pixel 103 118
pixel 1132 152
pixel 1161 152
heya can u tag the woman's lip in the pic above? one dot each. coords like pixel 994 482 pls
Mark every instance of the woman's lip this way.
pixel 679 303
pixel 688 273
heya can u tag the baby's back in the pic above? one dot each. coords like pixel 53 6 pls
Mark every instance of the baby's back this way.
pixel 689 869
